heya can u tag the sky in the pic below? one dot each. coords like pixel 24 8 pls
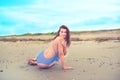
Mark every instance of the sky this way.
pixel 43 16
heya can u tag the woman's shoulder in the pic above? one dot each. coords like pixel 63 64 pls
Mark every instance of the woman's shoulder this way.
pixel 58 39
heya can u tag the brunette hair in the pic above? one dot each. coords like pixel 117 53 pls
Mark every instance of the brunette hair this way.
pixel 67 36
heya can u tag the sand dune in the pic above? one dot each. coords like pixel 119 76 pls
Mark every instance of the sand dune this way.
pixel 100 35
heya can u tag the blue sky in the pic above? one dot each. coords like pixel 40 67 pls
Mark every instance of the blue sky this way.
pixel 38 16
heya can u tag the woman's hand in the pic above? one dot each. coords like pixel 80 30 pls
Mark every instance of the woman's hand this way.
pixel 67 68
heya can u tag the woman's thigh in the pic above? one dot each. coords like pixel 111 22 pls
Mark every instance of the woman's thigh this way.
pixel 43 66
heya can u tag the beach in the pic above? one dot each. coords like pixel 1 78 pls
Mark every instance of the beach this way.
pixel 91 60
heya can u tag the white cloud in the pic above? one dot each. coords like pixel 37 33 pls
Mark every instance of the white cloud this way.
pixel 49 13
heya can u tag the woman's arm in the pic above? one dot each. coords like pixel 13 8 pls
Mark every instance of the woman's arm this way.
pixel 61 55
pixel 64 48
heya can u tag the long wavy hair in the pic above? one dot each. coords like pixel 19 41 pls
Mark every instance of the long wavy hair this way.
pixel 67 36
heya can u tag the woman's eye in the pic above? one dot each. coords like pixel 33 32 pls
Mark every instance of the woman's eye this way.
pixel 63 31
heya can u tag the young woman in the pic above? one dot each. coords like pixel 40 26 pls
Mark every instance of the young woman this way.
pixel 57 50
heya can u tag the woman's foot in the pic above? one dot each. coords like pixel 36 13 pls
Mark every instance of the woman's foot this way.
pixel 32 62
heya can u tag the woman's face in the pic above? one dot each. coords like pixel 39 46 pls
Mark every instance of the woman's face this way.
pixel 63 33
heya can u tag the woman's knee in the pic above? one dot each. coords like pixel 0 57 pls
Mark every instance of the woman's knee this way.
pixel 43 66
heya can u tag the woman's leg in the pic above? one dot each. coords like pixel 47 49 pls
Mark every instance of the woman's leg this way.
pixel 52 64
pixel 45 66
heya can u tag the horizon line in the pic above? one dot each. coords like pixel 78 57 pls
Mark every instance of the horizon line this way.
pixel 53 32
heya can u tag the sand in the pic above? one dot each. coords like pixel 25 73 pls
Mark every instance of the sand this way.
pixel 91 60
